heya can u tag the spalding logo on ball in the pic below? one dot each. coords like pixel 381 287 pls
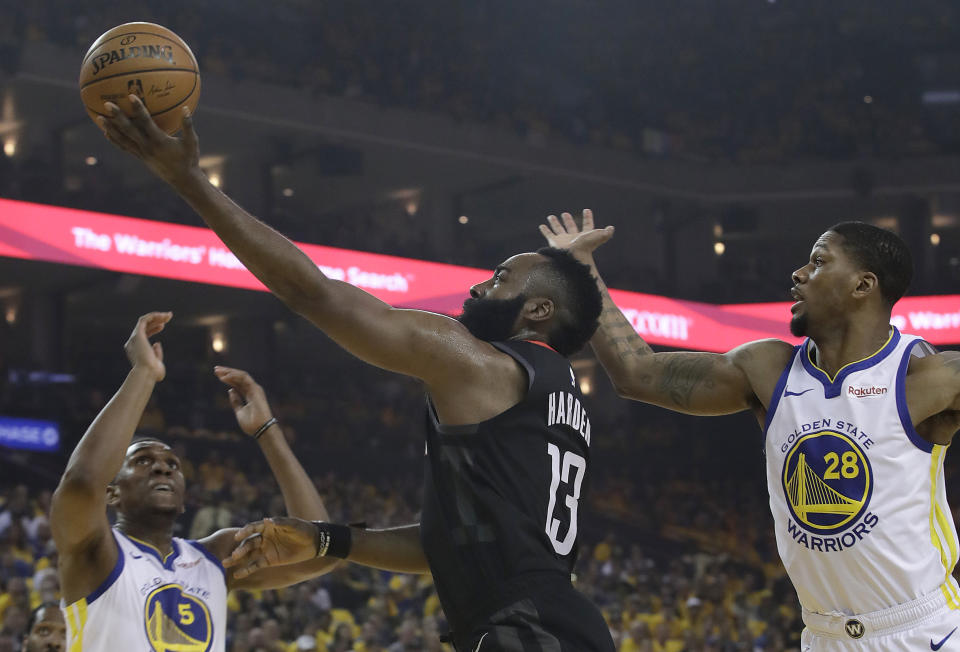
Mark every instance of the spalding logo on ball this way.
pixel 145 60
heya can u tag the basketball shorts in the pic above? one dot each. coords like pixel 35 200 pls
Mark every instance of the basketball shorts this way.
pixel 927 623
pixel 556 621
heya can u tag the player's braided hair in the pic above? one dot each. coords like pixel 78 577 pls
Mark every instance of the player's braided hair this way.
pixel 578 300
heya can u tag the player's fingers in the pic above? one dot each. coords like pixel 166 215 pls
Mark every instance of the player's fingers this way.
pixel 250 529
pixel 250 567
pixel 599 237
pixel 224 374
pixel 189 135
pixel 230 375
pixel 587 219
pixel 155 321
pixel 555 225
pixel 240 380
pixel 546 232
pixel 119 121
pixel 114 136
pixel 236 400
pixel 249 547
pixel 158 351
pixel 568 222
pixel 244 380
pixel 143 323
pixel 142 121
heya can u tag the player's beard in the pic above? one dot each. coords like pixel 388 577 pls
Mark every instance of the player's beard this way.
pixel 799 324
pixel 491 320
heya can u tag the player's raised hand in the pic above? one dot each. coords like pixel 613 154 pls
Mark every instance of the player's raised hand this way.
pixel 247 398
pixel 581 242
pixel 272 542
pixel 170 158
pixel 140 352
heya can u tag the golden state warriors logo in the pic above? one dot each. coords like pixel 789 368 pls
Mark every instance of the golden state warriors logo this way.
pixel 177 621
pixel 827 481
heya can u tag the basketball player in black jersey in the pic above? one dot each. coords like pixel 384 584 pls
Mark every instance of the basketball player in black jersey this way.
pixel 507 434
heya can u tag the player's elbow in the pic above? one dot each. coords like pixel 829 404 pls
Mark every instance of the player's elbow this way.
pixel 309 300
pixel 623 390
pixel 628 384
pixel 294 297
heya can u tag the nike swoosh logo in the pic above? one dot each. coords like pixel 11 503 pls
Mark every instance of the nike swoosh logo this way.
pixel 787 392
pixel 937 646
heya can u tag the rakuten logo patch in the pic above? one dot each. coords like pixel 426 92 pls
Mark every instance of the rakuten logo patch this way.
pixel 865 392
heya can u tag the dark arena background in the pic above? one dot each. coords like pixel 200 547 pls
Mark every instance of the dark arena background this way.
pixel 721 139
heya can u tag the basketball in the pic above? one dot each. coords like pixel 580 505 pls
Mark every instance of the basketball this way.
pixel 145 60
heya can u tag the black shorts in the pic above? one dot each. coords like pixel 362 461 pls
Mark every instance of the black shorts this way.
pixel 558 620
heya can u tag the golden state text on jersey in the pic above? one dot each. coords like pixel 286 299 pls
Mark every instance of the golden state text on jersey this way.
pixel 857 496
pixel 828 482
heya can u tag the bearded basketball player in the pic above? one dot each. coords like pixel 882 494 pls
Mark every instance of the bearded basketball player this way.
pixel 507 433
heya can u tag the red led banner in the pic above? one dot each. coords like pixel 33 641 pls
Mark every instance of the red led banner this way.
pixel 187 253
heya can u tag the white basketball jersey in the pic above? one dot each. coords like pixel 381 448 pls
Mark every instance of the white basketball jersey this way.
pixel 153 604
pixel 857 496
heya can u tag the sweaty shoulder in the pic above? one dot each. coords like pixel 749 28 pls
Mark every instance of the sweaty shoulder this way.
pixel 762 356
pixel 491 384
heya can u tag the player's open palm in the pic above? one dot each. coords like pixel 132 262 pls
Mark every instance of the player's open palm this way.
pixel 169 157
pixel 247 398
pixel 580 241
pixel 272 542
pixel 140 352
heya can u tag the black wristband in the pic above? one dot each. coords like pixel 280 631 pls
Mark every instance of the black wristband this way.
pixel 262 429
pixel 333 540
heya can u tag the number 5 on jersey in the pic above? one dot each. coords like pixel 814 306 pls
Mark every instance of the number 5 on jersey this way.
pixel 561 466
pixel 186 614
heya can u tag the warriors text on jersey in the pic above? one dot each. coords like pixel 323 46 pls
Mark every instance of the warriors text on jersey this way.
pixel 857 496
pixel 501 497
pixel 153 604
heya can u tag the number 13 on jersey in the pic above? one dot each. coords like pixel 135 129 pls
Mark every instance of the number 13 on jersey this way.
pixel 561 464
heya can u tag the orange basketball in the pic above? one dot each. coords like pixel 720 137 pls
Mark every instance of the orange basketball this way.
pixel 145 60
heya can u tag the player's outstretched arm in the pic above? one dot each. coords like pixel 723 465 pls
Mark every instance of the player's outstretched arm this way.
pixel 407 341
pixel 688 382
pixel 300 495
pixel 78 515
pixel 281 541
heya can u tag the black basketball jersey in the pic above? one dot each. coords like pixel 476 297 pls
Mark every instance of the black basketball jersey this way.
pixel 501 497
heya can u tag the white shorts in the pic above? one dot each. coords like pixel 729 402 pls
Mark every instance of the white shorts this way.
pixel 927 623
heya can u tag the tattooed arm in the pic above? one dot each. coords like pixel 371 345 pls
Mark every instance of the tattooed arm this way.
pixel 690 382
pixel 693 383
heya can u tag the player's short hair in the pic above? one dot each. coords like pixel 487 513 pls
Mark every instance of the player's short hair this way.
pixel 578 300
pixel 879 251
pixel 36 613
